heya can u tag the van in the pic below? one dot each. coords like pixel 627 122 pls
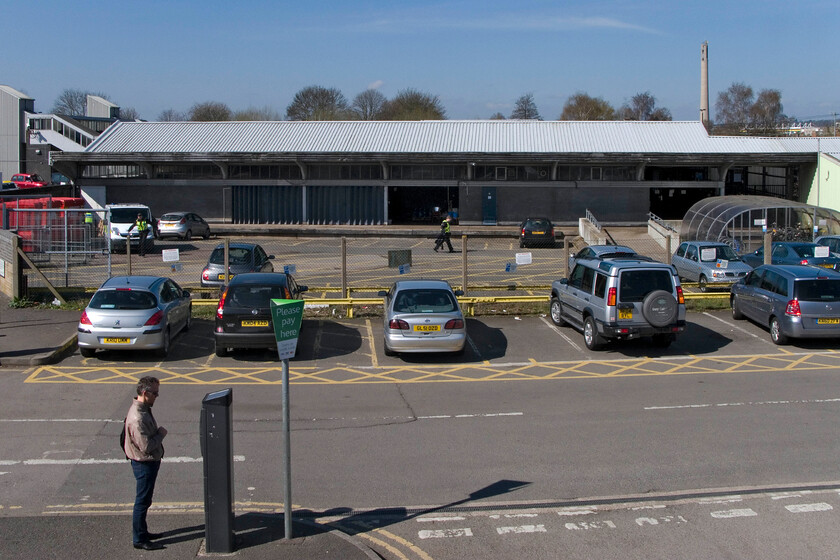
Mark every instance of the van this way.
pixel 120 217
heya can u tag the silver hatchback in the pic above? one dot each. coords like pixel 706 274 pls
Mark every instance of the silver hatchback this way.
pixel 709 263
pixel 134 313
pixel 423 316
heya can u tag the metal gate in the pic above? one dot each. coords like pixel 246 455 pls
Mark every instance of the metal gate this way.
pixel 267 204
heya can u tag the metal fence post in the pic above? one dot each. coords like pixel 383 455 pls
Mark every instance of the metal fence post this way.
pixel 227 262
pixel 668 249
pixel 565 267
pixel 128 251
pixel 768 248
pixel 464 262
pixel 344 267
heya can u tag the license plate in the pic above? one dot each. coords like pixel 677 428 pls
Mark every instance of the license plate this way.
pixel 538 232
pixel 625 313
pixel 827 265
pixel 222 277
pixel 168 225
pixel 426 328
pixel 828 321
pixel 116 340
pixel 255 323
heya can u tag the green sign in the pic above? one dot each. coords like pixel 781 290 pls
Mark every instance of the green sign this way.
pixel 286 316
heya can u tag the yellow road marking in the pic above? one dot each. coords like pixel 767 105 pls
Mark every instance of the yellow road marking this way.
pixel 369 329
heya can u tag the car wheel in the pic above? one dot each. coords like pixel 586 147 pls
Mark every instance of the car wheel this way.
pixel 590 334
pixel 188 323
pixel 164 349
pixel 388 351
pixel 555 309
pixel 737 314
pixel 188 235
pixel 662 340
pixel 461 351
pixel 776 334
pixel 206 233
pixel 660 308
pixel 221 351
pixel 704 284
pixel 87 352
pixel 521 244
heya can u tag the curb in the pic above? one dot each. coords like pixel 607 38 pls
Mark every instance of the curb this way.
pixel 363 548
pixel 44 358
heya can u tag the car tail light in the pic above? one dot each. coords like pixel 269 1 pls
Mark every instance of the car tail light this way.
pixel 221 309
pixel 183 220
pixel 205 274
pixel 154 319
pixel 793 308
pixel 454 324
pixel 803 261
pixel 398 324
pixel 85 320
pixel 680 296
pixel 523 231
pixel 611 297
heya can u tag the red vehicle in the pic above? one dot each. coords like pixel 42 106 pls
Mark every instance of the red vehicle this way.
pixel 28 181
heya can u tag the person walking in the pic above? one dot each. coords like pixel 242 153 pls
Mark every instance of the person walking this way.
pixel 445 235
pixel 144 446
pixel 143 229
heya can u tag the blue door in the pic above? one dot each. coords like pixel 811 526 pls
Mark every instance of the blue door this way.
pixel 488 206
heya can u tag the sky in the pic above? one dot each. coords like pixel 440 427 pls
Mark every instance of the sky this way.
pixel 477 56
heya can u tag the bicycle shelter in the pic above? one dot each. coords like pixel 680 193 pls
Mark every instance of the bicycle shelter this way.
pixel 739 221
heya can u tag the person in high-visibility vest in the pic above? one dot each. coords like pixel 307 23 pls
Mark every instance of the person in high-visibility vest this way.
pixel 143 228
pixel 89 223
pixel 445 234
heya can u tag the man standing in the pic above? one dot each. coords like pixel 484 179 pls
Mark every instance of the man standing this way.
pixel 143 229
pixel 445 234
pixel 144 446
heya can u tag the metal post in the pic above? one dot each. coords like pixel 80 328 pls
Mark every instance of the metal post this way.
pixel 464 262
pixel 668 249
pixel 344 267
pixel 128 251
pixel 66 251
pixel 768 248
pixel 287 454
pixel 227 262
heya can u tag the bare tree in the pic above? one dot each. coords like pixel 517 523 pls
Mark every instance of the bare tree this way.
pixel 257 114
pixel 583 107
pixel 661 114
pixel 732 107
pixel 129 114
pixel 413 105
pixel 642 107
pixel 766 113
pixel 497 117
pixel 368 105
pixel 316 103
pixel 73 102
pixel 525 108
pixel 210 111
pixel 171 115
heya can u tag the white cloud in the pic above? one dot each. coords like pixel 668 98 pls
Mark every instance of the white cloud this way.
pixel 376 85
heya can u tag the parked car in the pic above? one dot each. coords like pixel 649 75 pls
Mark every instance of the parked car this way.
pixel 423 316
pixel 538 232
pixel 243 317
pixel 134 313
pixel 122 216
pixel 793 301
pixel 620 298
pixel 182 225
pixel 28 180
pixel 8 186
pixel 830 241
pixel 244 257
pixel 710 263
pixel 796 252
pixel 605 252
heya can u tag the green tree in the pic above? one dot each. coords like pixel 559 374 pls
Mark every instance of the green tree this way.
pixel 316 103
pixel 368 105
pixel 210 111
pixel 526 108
pixel 583 107
pixel 413 105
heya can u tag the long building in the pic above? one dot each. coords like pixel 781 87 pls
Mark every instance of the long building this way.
pixel 485 172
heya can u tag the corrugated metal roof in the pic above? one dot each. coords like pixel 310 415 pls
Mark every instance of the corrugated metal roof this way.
pixel 437 137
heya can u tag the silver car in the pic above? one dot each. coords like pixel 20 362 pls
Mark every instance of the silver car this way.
pixel 134 313
pixel 423 316
pixel 793 301
pixel 710 263
pixel 183 225
pixel 243 257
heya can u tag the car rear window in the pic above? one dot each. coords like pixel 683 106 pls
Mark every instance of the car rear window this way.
pixel 122 299
pixel 817 290
pixel 538 224
pixel 634 285
pixel 171 217
pixel 425 301
pixel 255 295
pixel 237 256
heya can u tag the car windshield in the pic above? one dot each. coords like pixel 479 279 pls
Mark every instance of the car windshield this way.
pixel 127 215
pixel 255 296
pixel 122 299
pixel 171 217
pixel 719 252
pixel 636 284
pixel 425 301
pixel 817 290
pixel 238 255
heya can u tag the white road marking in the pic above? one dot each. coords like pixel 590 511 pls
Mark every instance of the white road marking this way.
pixel 590 525
pixel 739 329
pixel 436 519
pixel 677 519
pixel 752 403
pixel 445 533
pixel 428 417
pixel 521 529
pixel 808 508
pixel 576 511
pixel 59 420
pixel 563 335
pixel 514 515
pixel 120 461
pixel 731 513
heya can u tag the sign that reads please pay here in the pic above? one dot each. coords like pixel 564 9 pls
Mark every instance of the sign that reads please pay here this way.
pixel 286 315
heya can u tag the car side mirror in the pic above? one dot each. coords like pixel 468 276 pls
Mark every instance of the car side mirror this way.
pixel 459 292
pixel 303 288
pixel 382 293
pixel 185 293
pixel 564 281
pixel 270 257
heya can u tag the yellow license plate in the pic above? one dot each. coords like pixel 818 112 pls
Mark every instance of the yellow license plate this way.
pixel 116 340
pixel 168 225
pixel 222 277
pixel 426 328
pixel 538 232
pixel 255 323
pixel 827 265
pixel 828 321
pixel 625 313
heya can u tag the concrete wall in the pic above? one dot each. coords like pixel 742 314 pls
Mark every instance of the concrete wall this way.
pixel 12 131
pixel 820 185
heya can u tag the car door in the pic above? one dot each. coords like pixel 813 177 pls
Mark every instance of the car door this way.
pixel 781 255
pixel 678 260
pixel 578 293
pixel 692 263
pixel 747 296
pixel 766 294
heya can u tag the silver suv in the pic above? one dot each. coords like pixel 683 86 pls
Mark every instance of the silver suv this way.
pixel 620 298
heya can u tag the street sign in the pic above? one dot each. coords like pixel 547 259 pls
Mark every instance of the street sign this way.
pixel 286 315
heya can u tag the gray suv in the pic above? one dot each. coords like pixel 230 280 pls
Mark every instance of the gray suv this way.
pixel 620 299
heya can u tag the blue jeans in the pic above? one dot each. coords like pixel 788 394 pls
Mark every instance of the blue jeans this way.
pixel 145 472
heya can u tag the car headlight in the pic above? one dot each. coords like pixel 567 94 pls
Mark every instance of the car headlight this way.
pixel 717 274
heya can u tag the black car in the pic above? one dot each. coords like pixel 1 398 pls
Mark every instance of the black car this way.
pixel 538 232
pixel 243 318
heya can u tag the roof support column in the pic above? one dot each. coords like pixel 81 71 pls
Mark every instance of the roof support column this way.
pixel 223 167
pixel 640 171
pixel 384 165
pixel 554 170
pixel 302 167
pixel 723 170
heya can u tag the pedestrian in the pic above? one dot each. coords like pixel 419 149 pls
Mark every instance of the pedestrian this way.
pixel 143 229
pixel 445 235
pixel 144 446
